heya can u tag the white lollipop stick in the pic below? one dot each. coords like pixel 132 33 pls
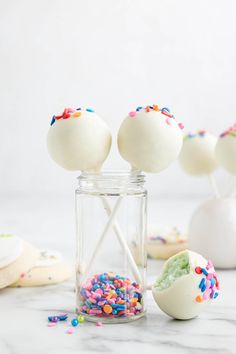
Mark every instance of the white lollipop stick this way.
pixel 117 229
pixel 214 185
pixel 122 241
pixel 107 228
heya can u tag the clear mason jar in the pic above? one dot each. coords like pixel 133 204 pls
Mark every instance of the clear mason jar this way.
pixel 111 246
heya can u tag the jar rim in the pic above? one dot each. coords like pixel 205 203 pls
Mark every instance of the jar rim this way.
pixel 109 176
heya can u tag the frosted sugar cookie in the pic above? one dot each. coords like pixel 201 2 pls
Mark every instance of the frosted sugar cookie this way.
pixel 49 268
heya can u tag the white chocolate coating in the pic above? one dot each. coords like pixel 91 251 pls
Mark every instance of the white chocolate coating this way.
pixel 148 143
pixel 11 247
pixel 197 156
pixel 226 152
pixel 81 143
pixel 212 231
pixel 178 300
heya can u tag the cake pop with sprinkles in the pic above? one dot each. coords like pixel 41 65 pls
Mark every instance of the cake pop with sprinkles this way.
pixel 150 138
pixel 226 150
pixel 187 285
pixel 79 139
pixel 197 156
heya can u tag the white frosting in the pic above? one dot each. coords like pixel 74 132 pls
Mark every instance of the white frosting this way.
pixel 178 300
pixel 167 233
pixel 226 152
pixel 148 143
pixel 48 258
pixel 11 247
pixel 81 143
pixel 212 231
pixel 197 156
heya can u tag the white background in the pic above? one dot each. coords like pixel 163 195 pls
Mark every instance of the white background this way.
pixel 112 56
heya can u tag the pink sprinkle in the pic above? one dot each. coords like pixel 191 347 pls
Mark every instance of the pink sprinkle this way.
pixel 205 296
pixel 70 330
pixel 51 324
pixel 22 275
pixel 208 284
pixel 209 276
pixel 99 291
pixel 209 265
pixel 132 114
pixel 99 324
pixel 168 121
pixel 181 126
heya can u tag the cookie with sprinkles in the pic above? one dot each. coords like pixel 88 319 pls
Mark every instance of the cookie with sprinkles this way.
pixel 226 149
pixel 150 138
pixel 186 286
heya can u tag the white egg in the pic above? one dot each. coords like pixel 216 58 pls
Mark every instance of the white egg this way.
pixel 79 142
pixel 197 156
pixel 183 291
pixel 226 151
pixel 149 140
pixel 212 231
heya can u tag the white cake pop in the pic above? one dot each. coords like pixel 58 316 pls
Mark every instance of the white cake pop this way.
pixel 150 139
pixel 79 140
pixel 212 231
pixel 197 156
pixel 187 285
pixel 226 150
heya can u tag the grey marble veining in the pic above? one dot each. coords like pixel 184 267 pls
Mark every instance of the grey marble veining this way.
pixel 23 312
pixel 24 325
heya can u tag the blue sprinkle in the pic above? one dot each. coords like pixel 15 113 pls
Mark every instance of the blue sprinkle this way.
pixel 165 109
pixel 53 120
pixel 216 294
pixel 213 282
pixel 95 287
pixel 114 312
pixel 139 108
pixel 204 271
pixel 202 283
pixel 62 318
pixel 74 322
pixel 203 288
pixel 90 110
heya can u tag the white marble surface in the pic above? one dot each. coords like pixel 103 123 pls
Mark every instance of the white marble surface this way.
pixel 48 222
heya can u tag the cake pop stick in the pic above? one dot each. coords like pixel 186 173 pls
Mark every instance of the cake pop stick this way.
pixel 197 157
pixel 68 140
pixel 150 139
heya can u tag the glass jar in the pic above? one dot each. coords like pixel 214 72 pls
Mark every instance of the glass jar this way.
pixel 111 246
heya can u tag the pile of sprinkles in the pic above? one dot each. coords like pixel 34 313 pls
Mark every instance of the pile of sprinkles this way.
pixel 230 131
pixel 110 295
pixel 200 133
pixel 209 284
pixel 165 111
pixel 70 113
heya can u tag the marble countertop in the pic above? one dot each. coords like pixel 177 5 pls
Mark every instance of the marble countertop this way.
pixel 24 311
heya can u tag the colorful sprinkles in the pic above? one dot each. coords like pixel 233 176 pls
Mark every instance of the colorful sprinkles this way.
pixel 200 133
pixel 70 113
pixel 230 131
pixel 110 295
pixel 165 111
pixel 209 284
